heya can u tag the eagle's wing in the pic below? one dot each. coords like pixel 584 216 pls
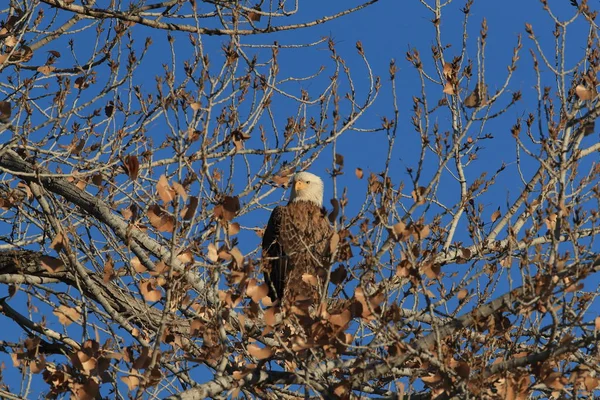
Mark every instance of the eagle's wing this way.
pixel 274 260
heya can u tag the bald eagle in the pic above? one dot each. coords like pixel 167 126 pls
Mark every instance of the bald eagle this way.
pixel 296 241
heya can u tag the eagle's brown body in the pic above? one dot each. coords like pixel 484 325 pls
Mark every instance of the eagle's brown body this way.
pixel 295 242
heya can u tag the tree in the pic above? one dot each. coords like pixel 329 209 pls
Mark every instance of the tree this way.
pixel 132 209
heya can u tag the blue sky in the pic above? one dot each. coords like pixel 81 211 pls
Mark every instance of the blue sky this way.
pixel 387 31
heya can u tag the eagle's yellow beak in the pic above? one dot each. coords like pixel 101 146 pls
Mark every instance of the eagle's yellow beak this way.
pixel 299 185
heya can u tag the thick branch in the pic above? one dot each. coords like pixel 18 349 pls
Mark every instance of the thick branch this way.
pixel 14 164
pixel 154 23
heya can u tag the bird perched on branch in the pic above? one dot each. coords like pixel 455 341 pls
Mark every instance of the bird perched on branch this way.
pixel 296 243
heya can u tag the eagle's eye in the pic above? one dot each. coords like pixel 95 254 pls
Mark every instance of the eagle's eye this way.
pixel 307 182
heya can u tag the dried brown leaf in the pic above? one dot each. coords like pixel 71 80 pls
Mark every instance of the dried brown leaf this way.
pixel 550 221
pixel 310 279
pixel 589 128
pixel 22 186
pixel 478 97
pixel 335 211
pixel 555 380
pixel 575 287
pixel 193 134
pixel 196 327
pixel 266 301
pixel 271 316
pixel 160 268
pixel 52 264
pixel 367 303
pixel 449 88
pixel 224 254
pixel 401 231
pixel 97 179
pixel 218 212
pixel 447 70
pixel 253 15
pixel 465 253
pixel 9 41
pixel 233 228
pixel 24 54
pixel 187 213
pixel 186 257
pixel 180 190
pixel 127 213
pixel 231 300
pixel 237 256
pixel 342 390
pixel 471 101
pixel 231 206
pixel 66 315
pixel 339 275
pixel 108 272
pixel 431 379
pixel 132 167
pixel 259 353
pixel 497 214
pixel 506 262
pixel 160 219
pixel 46 69
pixel 85 391
pixel 418 195
pixel 590 383
pixel 420 232
pixel 109 109
pixel 5 110
pixel 81 184
pixel 342 319
pixel 333 242
pixel 149 291
pixel 81 83
pixel 86 361
pixel 359 173
pixel 584 93
pixel 137 265
pixel 39 365
pixel 12 290
pixel 403 269
pixel 255 291
pixel 432 271
pixel 212 252
pixel 238 138
pixel 282 180
pixel 132 381
pixel 299 343
pixel 166 193
pixel 58 243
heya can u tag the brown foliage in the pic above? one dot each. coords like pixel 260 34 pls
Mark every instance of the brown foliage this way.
pixel 129 211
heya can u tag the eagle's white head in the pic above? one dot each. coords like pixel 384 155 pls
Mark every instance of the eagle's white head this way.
pixel 307 187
